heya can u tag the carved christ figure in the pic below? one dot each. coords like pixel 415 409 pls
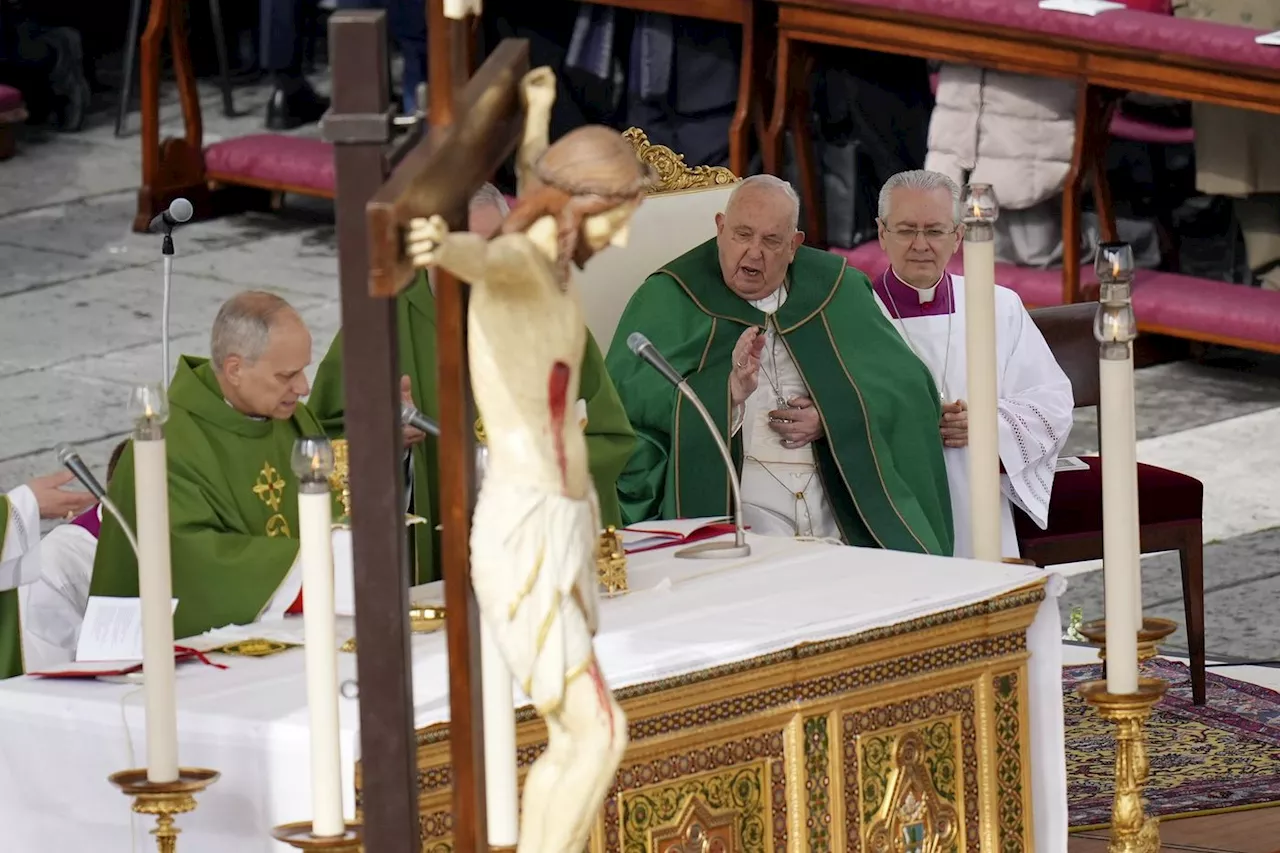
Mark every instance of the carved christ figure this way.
pixel 536 522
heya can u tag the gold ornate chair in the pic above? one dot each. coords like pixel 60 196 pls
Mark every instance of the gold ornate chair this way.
pixel 678 215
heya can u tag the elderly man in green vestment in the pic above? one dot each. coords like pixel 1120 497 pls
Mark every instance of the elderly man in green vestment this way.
pixel 233 498
pixel 20 514
pixel 833 420
pixel 609 434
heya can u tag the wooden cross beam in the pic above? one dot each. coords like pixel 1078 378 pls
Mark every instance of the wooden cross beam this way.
pixel 472 134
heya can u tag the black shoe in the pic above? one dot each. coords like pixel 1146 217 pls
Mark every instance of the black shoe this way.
pixel 293 107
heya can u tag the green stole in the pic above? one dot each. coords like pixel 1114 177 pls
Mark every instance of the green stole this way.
pixel 233 507
pixel 10 625
pixel 609 435
pixel 880 459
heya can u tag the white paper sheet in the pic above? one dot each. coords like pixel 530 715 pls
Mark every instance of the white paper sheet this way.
pixel 1070 463
pixel 1080 7
pixel 112 630
pixel 1272 39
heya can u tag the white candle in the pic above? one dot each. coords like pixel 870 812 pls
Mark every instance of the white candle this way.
pixel 980 357
pixel 1119 526
pixel 502 797
pixel 1115 330
pixel 313 462
pixel 155 581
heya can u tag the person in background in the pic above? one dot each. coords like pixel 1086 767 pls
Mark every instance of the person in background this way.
pixel 293 101
pixel 920 229
pixel 53 606
pixel 46 63
pixel 407 25
pixel 1236 153
pixel 20 514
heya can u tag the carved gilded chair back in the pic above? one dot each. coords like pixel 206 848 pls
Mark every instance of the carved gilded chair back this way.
pixel 678 214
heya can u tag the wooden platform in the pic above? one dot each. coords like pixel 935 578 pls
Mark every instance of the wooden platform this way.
pixel 1256 831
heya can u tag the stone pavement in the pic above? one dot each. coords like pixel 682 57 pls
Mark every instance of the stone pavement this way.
pixel 80 299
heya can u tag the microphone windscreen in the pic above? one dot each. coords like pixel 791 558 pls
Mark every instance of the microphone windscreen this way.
pixel 181 210
pixel 64 452
pixel 636 341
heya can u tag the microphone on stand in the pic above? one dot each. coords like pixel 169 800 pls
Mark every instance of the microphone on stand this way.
pixel 409 416
pixel 641 346
pixel 68 456
pixel 180 210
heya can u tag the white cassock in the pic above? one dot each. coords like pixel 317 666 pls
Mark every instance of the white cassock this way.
pixel 53 606
pixel 1035 400
pixel 20 550
pixel 782 492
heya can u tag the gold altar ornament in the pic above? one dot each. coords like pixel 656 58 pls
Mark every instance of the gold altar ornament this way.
pixel 340 479
pixel 425 618
pixel 611 562
pixel 1150 635
pixel 164 799
pixel 1132 830
pixel 298 835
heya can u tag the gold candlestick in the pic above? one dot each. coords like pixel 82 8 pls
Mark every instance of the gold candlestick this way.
pixel 299 835
pixel 164 799
pixel 340 479
pixel 1132 830
pixel 611 562
pixel 1150 635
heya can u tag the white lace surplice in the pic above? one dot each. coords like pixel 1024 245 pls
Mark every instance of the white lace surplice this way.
pixel 1035 407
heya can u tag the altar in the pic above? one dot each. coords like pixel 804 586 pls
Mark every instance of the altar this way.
pixel 807 697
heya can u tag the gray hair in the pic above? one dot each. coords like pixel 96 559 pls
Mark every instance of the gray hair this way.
pixel 243 326
pixel 489 195
pixel 769 182
pixel 918 179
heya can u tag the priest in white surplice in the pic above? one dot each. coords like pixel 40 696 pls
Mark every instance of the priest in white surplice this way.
pixel 920 229
pixel 20 514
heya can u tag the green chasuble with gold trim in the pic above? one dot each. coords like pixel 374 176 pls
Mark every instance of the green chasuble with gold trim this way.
pixel 233 507
pixel 880 458
pixel 10 626
pixel 609 435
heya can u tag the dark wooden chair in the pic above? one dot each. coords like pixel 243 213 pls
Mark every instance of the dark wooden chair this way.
pixel 1170 504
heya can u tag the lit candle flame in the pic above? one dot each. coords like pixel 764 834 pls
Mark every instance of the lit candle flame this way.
pixel 149 413
pixel 977 211
pixel 1115 267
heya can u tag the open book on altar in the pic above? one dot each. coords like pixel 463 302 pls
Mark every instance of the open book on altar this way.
pixel 666 533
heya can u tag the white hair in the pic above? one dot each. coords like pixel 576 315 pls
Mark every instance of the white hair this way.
pixel 770 182
pixel 918 179
pixel 490 195
pixel 243 326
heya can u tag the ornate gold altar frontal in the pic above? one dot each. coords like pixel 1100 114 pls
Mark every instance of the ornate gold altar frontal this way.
pixel 912 738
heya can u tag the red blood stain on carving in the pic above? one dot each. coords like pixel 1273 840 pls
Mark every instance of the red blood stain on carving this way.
pixel 558 400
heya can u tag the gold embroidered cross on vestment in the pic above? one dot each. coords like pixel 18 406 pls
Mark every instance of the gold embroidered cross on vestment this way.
pixel 269 486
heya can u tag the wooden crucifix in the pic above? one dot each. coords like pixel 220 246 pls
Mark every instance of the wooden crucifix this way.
pixel 474 128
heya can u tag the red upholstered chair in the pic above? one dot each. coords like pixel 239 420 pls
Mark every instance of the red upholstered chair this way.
pixel 13 111
pixel 1170 504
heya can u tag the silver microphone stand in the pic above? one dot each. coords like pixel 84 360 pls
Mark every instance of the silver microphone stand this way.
pixel 718 549
pixel 167 251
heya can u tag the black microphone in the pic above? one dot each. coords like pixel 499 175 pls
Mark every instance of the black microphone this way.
pixel 409 416
pixel 67 456
pixel 179 212
pixel 641 346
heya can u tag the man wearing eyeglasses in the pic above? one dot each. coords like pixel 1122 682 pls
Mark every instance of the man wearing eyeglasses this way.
pixel 832 419
pixel 920 230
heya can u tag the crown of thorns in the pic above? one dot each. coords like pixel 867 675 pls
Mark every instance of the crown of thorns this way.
pixel 583 188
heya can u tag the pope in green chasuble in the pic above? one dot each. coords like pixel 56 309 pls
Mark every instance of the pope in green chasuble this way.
pixel 608 432
pixel 233 500
pixel 880 456
pixel 10 626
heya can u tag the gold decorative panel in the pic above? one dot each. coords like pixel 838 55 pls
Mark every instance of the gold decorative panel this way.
pixel 905 739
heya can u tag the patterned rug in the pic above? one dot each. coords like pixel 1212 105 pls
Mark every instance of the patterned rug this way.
pixel 1222 756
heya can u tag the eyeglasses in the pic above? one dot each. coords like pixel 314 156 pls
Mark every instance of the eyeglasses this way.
pixel 931 235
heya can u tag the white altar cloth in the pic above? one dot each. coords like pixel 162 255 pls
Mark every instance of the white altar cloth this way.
pixel 61 739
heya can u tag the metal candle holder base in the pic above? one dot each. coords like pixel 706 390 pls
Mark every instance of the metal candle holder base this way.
pixel 1150 635
pixel 164 799
pixel 298 835
pixel 1132 830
